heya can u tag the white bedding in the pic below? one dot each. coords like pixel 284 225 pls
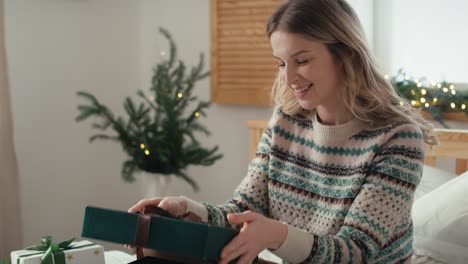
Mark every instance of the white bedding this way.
pixel 432 178
pixel 440 217
pixel 436 251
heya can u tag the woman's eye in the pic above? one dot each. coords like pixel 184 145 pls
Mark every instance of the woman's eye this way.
pixel 280 65
pixel 302 61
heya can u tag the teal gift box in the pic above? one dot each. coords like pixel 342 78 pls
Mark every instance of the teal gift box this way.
pixel 198 241
pixel 73 253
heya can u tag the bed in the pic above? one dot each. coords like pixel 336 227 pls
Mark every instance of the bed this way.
pixel 440 209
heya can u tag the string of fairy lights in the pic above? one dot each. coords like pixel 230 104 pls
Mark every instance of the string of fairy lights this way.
pixel 440 96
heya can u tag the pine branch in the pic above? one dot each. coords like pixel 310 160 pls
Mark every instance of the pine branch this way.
pixel 103 126
pixel 189 180
pixel 196 76
pixel 172 47
pixel 143 96
pixel 199 127
pixel 128 169
pixel 199 109
pixel 102 136
pixel 190 135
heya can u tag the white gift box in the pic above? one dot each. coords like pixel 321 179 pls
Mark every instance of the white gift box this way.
pixel 81 252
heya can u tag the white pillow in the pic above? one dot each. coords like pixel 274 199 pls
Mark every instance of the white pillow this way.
pixel 431 179
pixel 442 215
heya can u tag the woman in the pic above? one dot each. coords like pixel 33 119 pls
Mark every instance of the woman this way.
pixel 336 169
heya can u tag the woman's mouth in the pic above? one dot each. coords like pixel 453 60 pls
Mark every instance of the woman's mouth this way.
pixel 302 92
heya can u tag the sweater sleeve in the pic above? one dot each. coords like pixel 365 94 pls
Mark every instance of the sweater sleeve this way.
pixel 378 227
pixel 251 194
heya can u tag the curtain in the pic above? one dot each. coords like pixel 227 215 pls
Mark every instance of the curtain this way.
pixel 10 216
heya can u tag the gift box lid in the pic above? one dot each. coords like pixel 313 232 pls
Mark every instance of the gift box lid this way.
pixel 182 238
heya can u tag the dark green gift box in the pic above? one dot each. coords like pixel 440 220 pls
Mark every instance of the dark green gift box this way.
pixel 182 238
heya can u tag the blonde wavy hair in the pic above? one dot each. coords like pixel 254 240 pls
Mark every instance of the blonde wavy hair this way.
pixel 367 94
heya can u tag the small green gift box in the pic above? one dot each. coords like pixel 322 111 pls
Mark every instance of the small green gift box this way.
pixel 67 252
pixel 198 241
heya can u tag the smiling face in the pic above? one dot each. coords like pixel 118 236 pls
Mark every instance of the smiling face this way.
pixel 308 69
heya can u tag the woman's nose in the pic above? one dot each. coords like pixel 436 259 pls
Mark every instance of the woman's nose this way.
pixel 290 75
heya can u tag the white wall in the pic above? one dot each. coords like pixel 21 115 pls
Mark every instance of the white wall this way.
pixel 426 37
pixel 54 49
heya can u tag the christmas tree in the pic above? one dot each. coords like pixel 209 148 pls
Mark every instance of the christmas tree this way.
pixel 159 134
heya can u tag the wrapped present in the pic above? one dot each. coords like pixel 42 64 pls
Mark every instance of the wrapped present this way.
pixel 191 241
pixel 67 252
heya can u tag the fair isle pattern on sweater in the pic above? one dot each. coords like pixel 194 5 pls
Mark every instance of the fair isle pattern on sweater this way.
pixel 350 187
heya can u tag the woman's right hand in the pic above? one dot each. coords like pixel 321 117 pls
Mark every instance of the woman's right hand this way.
pixel 174 205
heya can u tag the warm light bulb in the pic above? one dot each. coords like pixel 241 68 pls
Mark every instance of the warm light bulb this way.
pixel 419 85
pixel 413 102
pixel 463 106
pixel 413 92
pixel 401 103
pixel 454 92
pixel 142 146
pixel 445 89
pixel 423 100
pixel 452 105
pixel 423 91
pixel 452 86
pixel 386 76
pixel 439 85
pixel 180 95
pixel 434 100
pixel 147 152
pixel 197 114
pixel 426 104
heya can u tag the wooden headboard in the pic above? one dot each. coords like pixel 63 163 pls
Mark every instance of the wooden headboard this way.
pixel 453 144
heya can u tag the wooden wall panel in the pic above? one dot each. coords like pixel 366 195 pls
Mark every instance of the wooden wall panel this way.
pixel 242 67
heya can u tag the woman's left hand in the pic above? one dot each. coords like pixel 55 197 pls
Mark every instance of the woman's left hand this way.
pixel 257 233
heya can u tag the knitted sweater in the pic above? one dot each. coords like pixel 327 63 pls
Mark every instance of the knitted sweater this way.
pixel 344 191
